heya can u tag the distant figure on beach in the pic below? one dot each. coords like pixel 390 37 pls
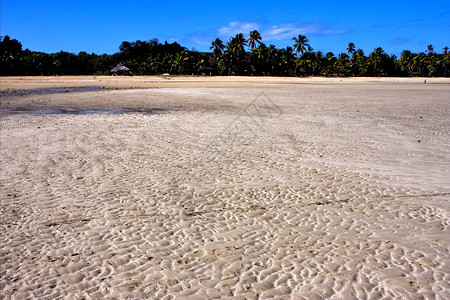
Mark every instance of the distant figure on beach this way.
pixel 425 81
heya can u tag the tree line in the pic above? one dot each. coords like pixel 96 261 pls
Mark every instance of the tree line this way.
pixel 238 56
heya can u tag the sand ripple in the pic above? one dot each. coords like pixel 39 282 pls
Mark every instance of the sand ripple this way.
pixel 308 200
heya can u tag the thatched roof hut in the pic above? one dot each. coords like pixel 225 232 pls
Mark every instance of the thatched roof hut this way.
pixel 121 69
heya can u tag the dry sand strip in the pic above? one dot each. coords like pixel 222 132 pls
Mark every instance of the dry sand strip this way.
pixel 317 190
pixel 24 82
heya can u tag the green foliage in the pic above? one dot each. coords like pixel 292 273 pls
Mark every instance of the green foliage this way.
pixel 11 57
pixel 239 56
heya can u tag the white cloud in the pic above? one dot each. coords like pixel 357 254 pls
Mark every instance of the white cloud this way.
pixel 278 32
pixel 290 30
pixel 237 27
pixel 281 32
pixel 269 33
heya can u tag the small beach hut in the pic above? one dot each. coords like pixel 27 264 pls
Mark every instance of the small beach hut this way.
pixel 120 70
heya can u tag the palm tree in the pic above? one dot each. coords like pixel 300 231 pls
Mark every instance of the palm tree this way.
pixel 351 48
pixel 258 58
pixel 227 60
pixel 271 59
pixel 375 58
pixel 288 60
pixel 235 51
pixel 300 44
pixel 360 52
pixel 255 37
pixel 259 52
pixel 445 51
pixel 308 59
pixel 419 63
pixel 330 60
pixel 343 62
pixel 238 43
pixel 430 49
pixel 218 47
pixel 405 62
pixel 358 63
pixel 316 62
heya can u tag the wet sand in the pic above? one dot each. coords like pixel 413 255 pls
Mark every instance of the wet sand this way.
pixel 239 188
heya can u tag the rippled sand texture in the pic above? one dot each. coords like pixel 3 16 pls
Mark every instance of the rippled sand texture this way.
pixel 336 190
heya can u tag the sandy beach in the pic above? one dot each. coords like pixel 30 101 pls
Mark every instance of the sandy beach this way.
pixel 168 187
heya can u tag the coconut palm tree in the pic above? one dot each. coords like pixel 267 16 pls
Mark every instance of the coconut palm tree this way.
pixel 419 63
pixel 360 52
pixel 358 63
pixel 259 52
pixel 375 58
pixel 255 37
pixel 406 62
pixel 235 53
pixel 288 61
pixel 217 46
pixel 237 44
pixel 330 61
pixel 316 62
pixel 351 48
pixel 227 60
pixel 300 44
pixel 430 49
pixel 258 57
pixel 271 60
pixel 343 63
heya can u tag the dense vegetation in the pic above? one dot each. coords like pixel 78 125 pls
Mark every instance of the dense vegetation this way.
pixel 239 56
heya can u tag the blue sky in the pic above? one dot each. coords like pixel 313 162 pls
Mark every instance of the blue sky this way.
pixel 100 26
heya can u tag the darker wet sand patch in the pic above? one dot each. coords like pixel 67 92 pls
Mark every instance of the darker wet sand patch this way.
pixel 12 92
pixel 64 110
pixel 45 91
